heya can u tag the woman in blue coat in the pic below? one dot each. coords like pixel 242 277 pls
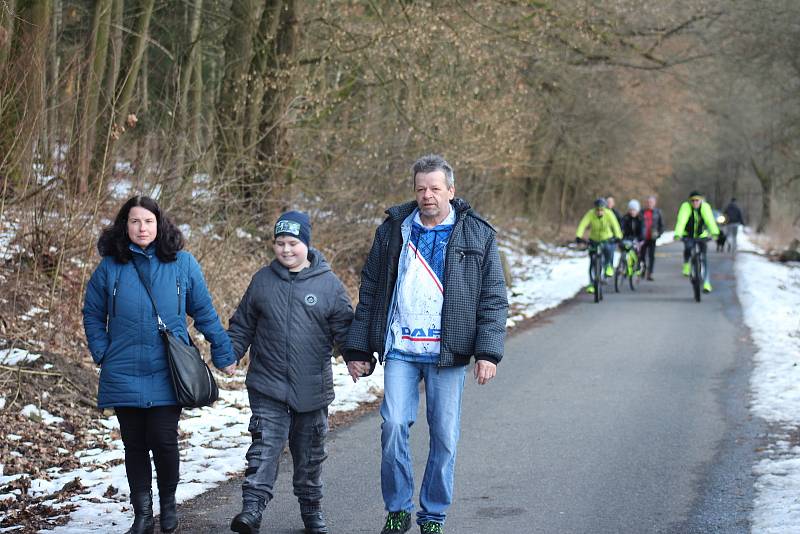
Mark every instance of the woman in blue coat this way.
pixel 123 337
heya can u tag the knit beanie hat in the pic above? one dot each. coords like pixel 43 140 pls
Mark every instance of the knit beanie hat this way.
pixel 634 205
pixel 295 224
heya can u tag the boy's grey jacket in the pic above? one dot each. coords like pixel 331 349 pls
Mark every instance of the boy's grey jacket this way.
pixel 290 327
pixel 475 302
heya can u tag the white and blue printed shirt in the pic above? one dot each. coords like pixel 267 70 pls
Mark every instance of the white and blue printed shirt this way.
pixel 414 328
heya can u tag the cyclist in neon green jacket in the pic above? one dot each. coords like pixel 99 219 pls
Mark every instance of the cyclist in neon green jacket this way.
pixel 696 223
pixel 603 228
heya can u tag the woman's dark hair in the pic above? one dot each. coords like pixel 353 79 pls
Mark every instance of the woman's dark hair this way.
pixel 114 239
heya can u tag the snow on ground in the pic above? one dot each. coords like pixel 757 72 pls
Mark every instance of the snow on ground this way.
pixel 16 356
pixel 770 296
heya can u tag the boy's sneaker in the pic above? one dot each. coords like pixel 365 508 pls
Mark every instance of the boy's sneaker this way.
pixel 706 287
pixel 590 289
pixel 687 269
pixel 431 527
pixel 609 271
pixel 397 523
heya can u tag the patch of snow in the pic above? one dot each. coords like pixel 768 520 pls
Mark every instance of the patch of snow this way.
pixel 17 356
pixel 33 412
pixel 770 296
pixel 121 189
pixel 186 230
pixel 242 234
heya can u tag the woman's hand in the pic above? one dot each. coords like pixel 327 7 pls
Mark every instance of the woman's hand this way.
pixel 230 370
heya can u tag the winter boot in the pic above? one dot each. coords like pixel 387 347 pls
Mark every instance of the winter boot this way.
pixel 248 521
pixel 143 522
pixel 169 514
pixel 312 519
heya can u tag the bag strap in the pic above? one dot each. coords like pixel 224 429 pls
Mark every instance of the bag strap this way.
pixel 146 284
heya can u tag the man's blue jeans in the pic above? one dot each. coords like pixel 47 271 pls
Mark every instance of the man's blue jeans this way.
pixel 443 389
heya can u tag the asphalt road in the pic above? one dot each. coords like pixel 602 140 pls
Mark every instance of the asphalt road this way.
pixel 628 416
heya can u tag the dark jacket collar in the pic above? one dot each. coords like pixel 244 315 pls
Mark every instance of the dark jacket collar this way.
pixel 401 211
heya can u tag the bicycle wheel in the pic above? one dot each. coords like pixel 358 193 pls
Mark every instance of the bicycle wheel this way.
pixel 619 272
pixel 697 276
pixel 597 279
pixel 635 273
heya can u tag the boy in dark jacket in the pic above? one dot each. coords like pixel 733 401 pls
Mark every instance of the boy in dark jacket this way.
pixel 290 316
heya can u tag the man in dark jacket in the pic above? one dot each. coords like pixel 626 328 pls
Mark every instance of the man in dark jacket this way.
pixel 432 296
pixel 292 313
pixel 653 228
pixel 733 220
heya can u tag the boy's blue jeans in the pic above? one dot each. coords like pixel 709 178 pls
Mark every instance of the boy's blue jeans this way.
pixel 271 425
pixel 443 389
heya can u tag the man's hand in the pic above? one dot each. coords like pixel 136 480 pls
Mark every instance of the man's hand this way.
pixel 484 371
pixel 229 370
pixel 357 369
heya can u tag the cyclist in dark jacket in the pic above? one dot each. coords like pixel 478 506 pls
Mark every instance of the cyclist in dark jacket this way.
pixel 291 315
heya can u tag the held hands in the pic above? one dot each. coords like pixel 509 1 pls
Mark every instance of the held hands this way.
pixel 484 371
pixel 357 369
pixel 229 370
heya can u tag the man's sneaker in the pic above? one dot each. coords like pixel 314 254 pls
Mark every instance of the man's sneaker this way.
pixel 650 276
pixel 706 287
pixel 431 527
pixel 609 271
pixel 397 523
pixel 687 269
pixel 590 288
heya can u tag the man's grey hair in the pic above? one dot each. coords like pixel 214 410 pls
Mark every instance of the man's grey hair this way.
pixel 432 163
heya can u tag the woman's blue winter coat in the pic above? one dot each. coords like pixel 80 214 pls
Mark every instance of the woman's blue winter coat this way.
pixel 122 330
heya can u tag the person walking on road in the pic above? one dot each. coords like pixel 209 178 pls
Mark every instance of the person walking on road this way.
pixel 733 220
pixel 653 228
pixel 125 342
pixel 290 316
pixel 432 296
pixel 611 203
pixel 603 229
pixel 694 224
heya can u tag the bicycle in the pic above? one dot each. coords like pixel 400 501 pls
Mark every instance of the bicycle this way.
pixel 698 272
pixel 595 267
pixel 629 267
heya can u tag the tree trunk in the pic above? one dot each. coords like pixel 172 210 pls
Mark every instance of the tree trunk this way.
pixel 274 154
pixel 84 137
pixel 140 36
pixel 8 12
pixel 233 98
pixel 765 179
pixel 31 67
pixel 186 76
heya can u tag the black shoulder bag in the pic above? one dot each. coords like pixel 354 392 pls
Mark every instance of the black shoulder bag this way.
pixel 191 378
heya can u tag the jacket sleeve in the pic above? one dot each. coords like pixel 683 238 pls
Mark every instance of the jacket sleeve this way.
pixel 492 307
pixel 341 315
pixel 660 225
pixel 243 322
pixel 615 227
pixel 356 347
pixel 95 314
pixel 683 217
pixel 583 224
pixel 708 217
pixel 201 309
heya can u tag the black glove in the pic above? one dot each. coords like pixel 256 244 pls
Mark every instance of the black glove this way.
pixel 580 240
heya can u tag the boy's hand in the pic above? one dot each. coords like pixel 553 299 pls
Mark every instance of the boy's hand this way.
pixel 357 369
pixel 229 370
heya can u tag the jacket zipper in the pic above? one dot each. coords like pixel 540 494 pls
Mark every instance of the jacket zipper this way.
pixel 178 285
pixel 114 299
pixel 450 240
pixel 288 323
